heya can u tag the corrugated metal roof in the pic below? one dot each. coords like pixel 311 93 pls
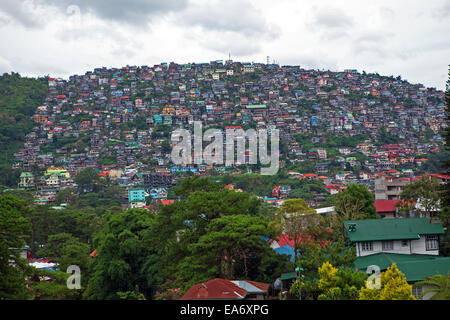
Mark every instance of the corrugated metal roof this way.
pixel 415 266
pixel 391 229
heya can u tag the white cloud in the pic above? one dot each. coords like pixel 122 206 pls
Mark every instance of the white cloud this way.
pixel 407 38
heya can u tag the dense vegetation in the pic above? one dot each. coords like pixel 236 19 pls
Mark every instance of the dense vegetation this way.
pixel 19 98
pixel 211 232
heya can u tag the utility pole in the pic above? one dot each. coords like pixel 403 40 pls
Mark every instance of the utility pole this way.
pixel 299 279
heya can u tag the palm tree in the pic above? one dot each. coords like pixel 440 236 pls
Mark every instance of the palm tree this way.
pixel 441 284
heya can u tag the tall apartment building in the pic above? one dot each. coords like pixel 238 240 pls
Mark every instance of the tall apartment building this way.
pixel 389 188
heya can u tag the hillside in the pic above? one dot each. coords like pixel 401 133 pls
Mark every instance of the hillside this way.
pixel 19 98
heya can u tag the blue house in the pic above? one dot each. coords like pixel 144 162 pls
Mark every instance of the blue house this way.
pixel 136 197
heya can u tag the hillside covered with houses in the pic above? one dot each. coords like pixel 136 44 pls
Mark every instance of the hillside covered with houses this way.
pixel 89 182
pixel 335 128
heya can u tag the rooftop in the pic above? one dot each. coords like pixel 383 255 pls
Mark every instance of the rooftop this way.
pixel 390 229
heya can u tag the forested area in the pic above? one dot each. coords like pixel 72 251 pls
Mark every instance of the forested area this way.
pixel 19 98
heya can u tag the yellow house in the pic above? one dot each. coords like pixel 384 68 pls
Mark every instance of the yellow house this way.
pixel 59 171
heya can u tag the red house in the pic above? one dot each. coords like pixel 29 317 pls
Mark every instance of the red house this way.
pixel 386 208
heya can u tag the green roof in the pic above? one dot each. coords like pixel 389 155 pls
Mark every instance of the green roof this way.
pixel 391 229
pixel 415 266
pixel 257 106
pixel 287 276
pixel 26 175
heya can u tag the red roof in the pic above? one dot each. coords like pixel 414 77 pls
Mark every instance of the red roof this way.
pixel 286 240
pixel 215 289
pixel 385 205
pixel 441 176
pixel 40 260
pixel 166 202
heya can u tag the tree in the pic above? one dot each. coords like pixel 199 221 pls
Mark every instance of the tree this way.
pixel 86 178
pixel 441 284
pixel 339 284
pixel 66 250
pixel 301 223
pixel 228 239
pixel 393 287
pixel 355 202
pixel 14 227
pixel 126 257
pixel 215 233
pixel 314 255
pixel 51 285
pixel 426 191
pixel 197 183
pixel 19 98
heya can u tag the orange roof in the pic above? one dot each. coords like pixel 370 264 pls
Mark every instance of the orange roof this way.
pixel 310 175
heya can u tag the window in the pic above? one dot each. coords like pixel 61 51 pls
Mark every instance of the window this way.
pixel 416 291
pixel 404 243
pixel 367 246
pixel 432 242
pixel 388 245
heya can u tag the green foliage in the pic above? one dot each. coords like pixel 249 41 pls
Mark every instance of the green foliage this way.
pixel 393 287
pixel 440 286
pixel 14 227
pixel 79 224
pixel 216 232
pixel 339 284
pixel 126 257
pixel 19 98
pixel 314 255
pixel 51 285
pixel 196 183
pixel 86 178
pixel 426 189
pixel 66 250
pixel 386 138
pixel 229 238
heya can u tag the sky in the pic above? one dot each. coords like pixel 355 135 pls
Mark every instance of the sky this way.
pixel 60 38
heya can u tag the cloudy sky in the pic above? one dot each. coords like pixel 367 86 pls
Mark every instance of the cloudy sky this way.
pixel 409 38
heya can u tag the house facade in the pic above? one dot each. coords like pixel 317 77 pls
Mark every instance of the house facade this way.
pixel 411 243
pixel 397 235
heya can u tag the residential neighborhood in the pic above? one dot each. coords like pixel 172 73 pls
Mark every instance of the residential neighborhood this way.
pixel 360 185
pixel 335 127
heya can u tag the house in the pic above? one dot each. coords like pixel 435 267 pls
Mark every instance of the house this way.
pixel 222 289
pixel 397 235
pixel 415 267
pixel 136 198
pixel 26 180
pixel 411 243
pixel 389 189
pixel 386 208
pixel 248 68
pixel 52 180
